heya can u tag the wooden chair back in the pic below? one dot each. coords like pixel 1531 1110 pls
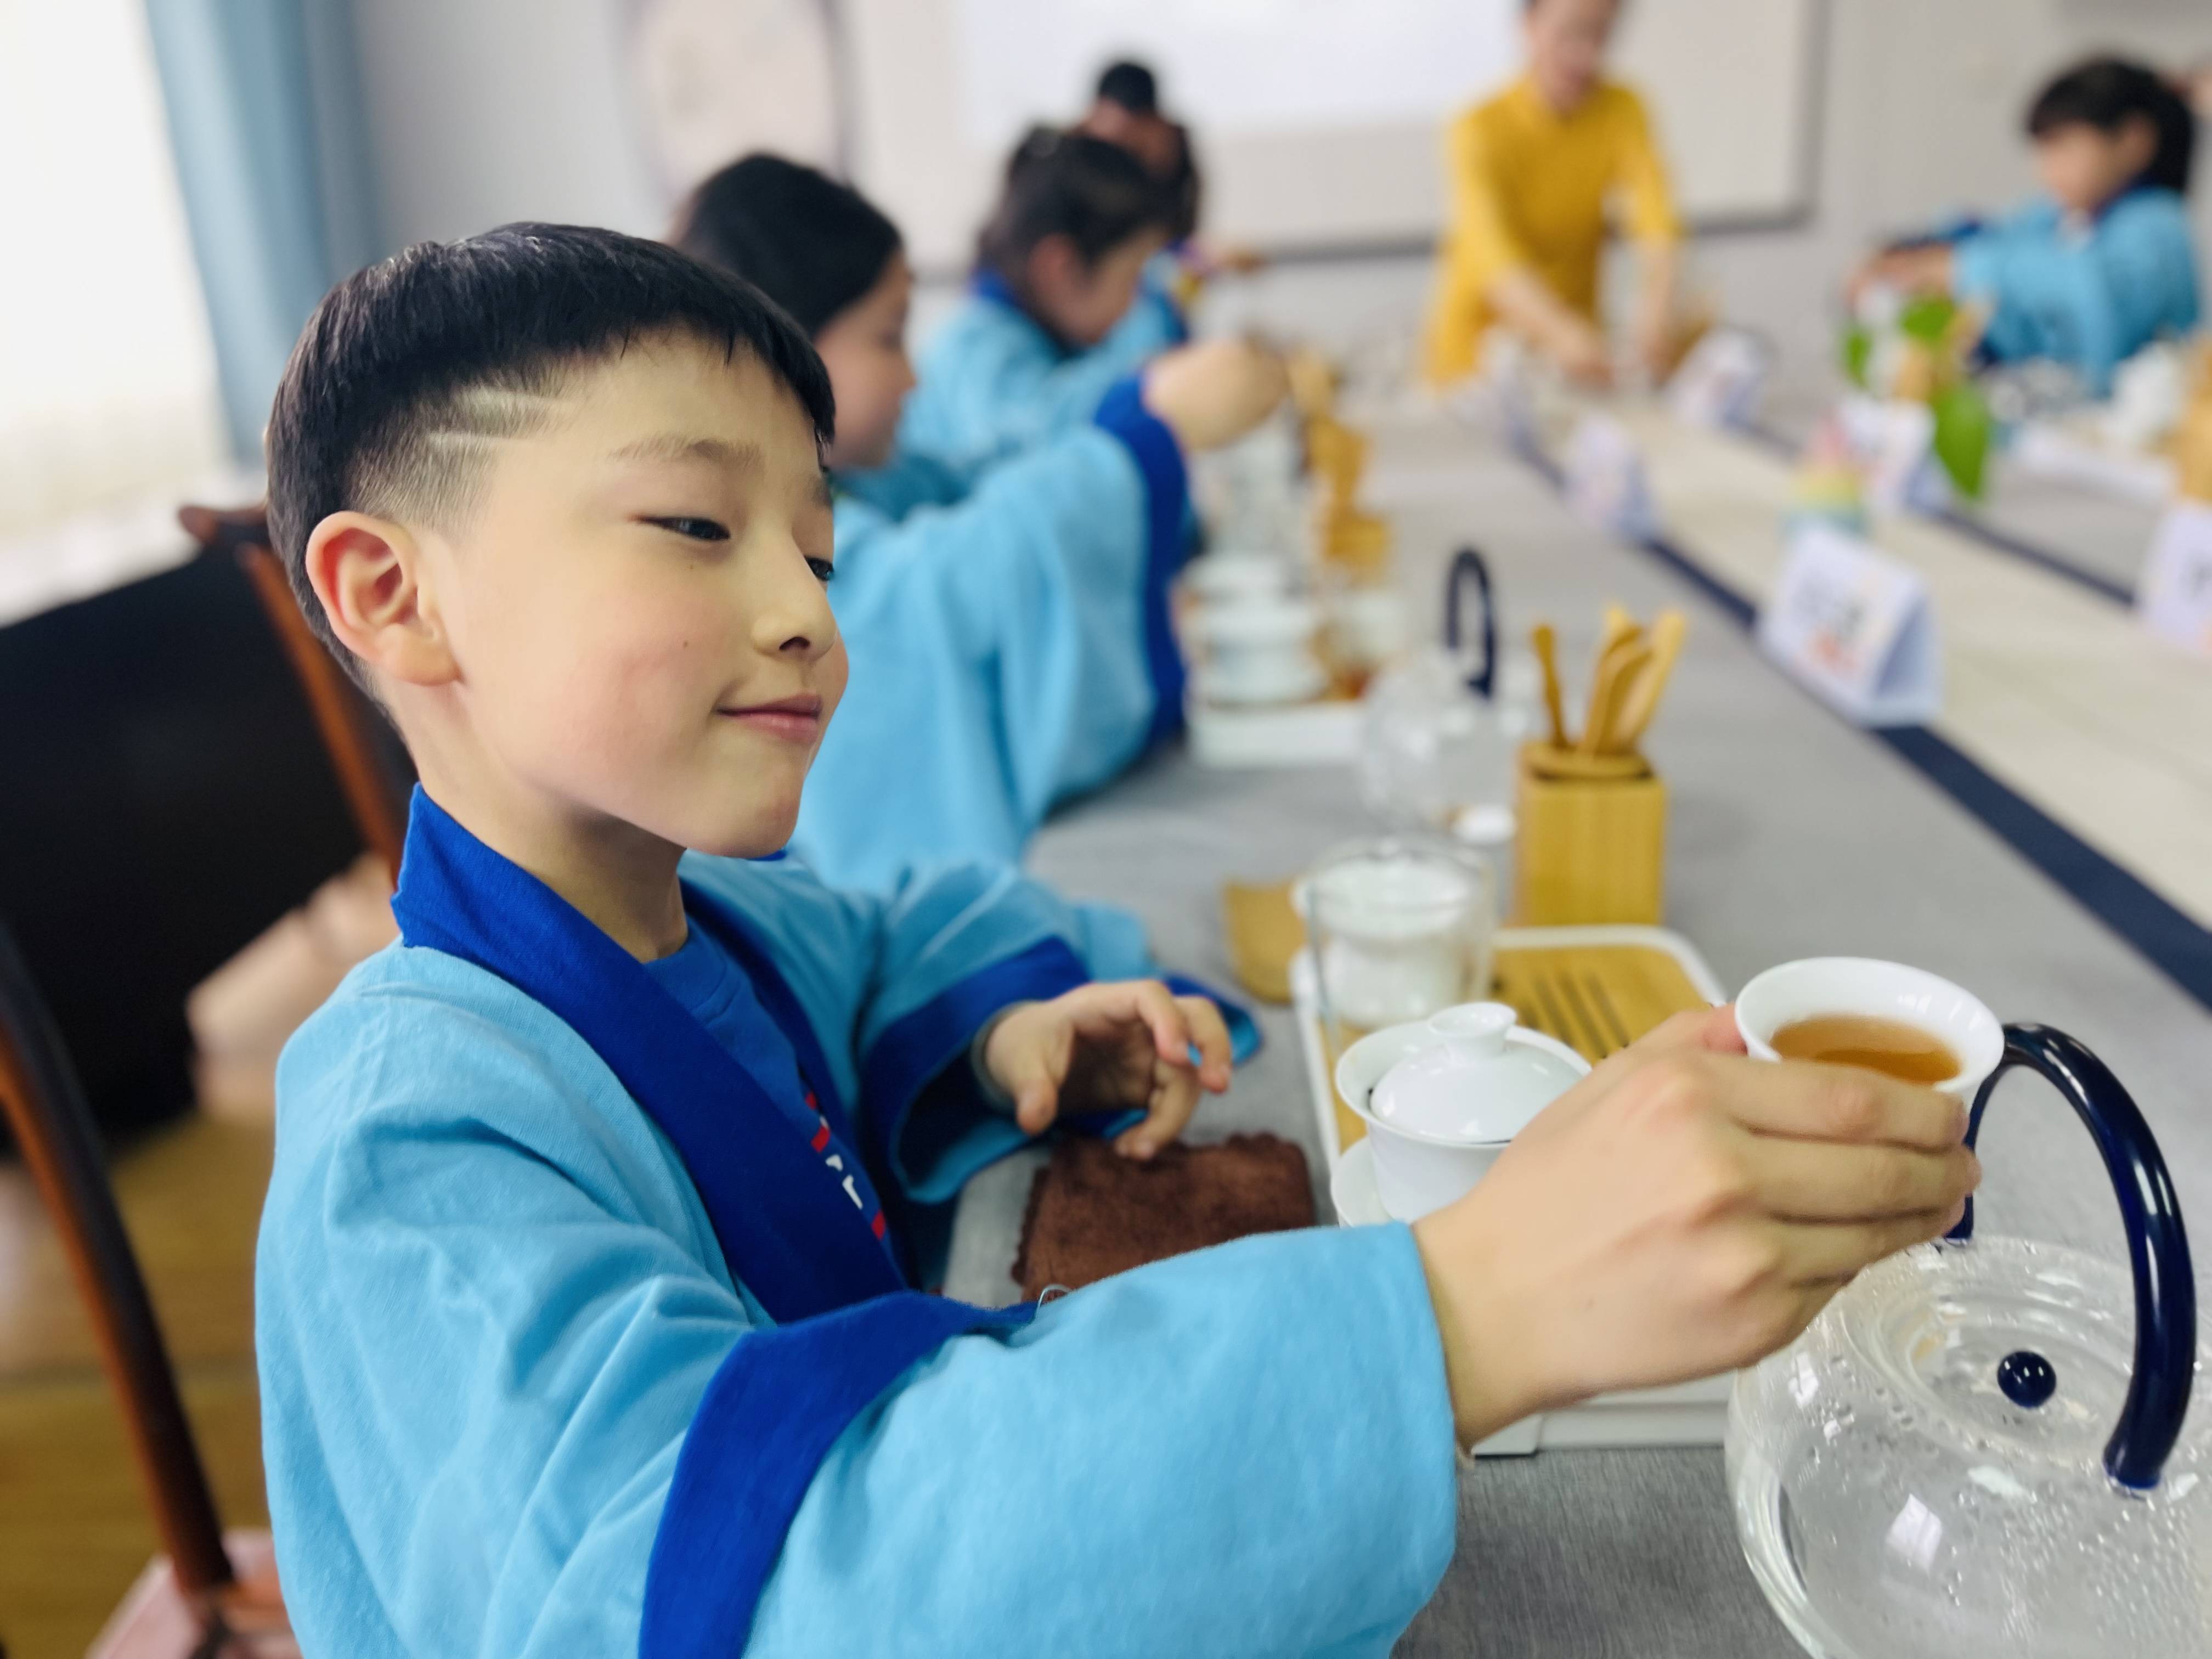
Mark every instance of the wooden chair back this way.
pixel 344 719
pixel 53 1126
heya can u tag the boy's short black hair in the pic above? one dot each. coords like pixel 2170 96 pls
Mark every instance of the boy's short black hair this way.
pixel 1131 85
pixel 1068 183
pixel 2107 92
pixel 407 369
pixel 811 244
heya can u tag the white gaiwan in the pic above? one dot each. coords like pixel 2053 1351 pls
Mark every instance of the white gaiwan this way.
pixel 1441 1098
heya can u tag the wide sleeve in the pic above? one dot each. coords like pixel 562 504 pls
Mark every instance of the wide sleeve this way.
pixel 1020 639
pixel 1248 1450
pixel 1641 174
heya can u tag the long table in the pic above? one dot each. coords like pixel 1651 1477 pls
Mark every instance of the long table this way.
pixel 1792 833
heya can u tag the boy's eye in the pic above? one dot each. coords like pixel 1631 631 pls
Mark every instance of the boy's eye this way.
pixel 823 569
pixel 699 529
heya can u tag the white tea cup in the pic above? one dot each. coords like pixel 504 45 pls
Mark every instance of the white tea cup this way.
pixel 1860 986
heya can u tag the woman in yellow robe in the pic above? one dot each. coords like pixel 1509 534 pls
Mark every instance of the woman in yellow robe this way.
pixel 1533 173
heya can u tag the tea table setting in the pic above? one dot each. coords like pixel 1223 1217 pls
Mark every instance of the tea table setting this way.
pixel 1789 837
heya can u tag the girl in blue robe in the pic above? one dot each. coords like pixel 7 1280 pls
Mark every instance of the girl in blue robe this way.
pixel 2101 264
pixel 1058 310
pixel 1009 622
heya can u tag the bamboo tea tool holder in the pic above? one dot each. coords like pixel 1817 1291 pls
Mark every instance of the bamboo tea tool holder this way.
pixel 1592 839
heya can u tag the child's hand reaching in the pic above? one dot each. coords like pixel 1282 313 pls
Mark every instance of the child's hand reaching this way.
pixel 1111 1048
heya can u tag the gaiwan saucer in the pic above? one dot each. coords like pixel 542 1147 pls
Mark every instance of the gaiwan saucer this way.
pixel 1352 1188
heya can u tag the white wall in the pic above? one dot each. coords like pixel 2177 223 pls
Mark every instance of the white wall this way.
pixel 489 110
pixel 483 111
pixel 1319 124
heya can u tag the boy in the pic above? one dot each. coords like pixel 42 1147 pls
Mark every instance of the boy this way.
pixel 582 1328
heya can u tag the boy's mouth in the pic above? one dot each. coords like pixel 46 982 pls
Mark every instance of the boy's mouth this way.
pixel 794 719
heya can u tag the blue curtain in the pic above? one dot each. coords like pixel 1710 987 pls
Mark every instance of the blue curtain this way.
pixel 265 119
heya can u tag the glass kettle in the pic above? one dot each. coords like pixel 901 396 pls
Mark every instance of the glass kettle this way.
pixel 1976 1450
pixel 1439 727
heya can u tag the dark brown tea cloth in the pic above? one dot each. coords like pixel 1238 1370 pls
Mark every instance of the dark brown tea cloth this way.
pixel 1093 1214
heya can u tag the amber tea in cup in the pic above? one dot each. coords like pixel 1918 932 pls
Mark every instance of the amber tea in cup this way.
pixel 1883 1015
pixel 1889 1046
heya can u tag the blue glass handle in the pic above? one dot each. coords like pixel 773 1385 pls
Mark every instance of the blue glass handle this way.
pixel 1467 567
pixel 2158 1245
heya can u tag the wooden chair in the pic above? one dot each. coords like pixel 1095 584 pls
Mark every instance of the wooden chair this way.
pixel 348 724
pixel 214 1594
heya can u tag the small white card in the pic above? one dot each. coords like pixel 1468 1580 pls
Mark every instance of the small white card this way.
pixel 1720 383
pixel 2175 599
pixel 1605 481
pixel 1856 627
pixel 1895 444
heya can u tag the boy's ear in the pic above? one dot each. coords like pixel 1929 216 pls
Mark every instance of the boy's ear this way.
pixel 1055 267
pixel 2138 142
pixel 375 585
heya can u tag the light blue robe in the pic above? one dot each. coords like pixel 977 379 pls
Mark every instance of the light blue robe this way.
pixel 1010 642
pixel 492 1315
pixel 2089 296
pixel 991 381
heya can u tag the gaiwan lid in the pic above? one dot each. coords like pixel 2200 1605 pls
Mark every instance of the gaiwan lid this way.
pixel 1479 1080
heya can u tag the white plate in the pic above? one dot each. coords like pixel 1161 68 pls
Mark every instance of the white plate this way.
pixel 1352 1188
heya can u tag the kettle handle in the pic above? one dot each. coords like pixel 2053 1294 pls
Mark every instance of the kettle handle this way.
pixel 2157 1246
pixel 1467 565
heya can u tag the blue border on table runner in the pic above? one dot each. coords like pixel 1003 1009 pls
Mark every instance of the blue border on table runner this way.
pixel 2171 940
pixel 1997 540
pixel 2003 541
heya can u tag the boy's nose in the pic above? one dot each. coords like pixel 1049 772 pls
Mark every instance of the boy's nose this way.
pixel 791 615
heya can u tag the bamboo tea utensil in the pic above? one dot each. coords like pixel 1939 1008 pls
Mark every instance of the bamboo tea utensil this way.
pixel 1263 933
pixel 1619 626
pixel 1628 667
pixel 1605 685
pixel 1546 643
pixel 1639 702
pixel 1573 766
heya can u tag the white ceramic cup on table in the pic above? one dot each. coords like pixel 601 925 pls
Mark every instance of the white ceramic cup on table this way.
pixel 1400 927
pixel 1820 986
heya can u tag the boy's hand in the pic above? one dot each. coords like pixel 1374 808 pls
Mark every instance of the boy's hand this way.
pixel 1111 1048
pixel 1681 1210
pixel 1214 393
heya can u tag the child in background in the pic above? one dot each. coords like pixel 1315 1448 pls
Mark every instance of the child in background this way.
pixel 1533 171
pixel 1011 624
pixel 1126 111
pixel 581 1322
pixel 2104 262
pixel 1033 350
